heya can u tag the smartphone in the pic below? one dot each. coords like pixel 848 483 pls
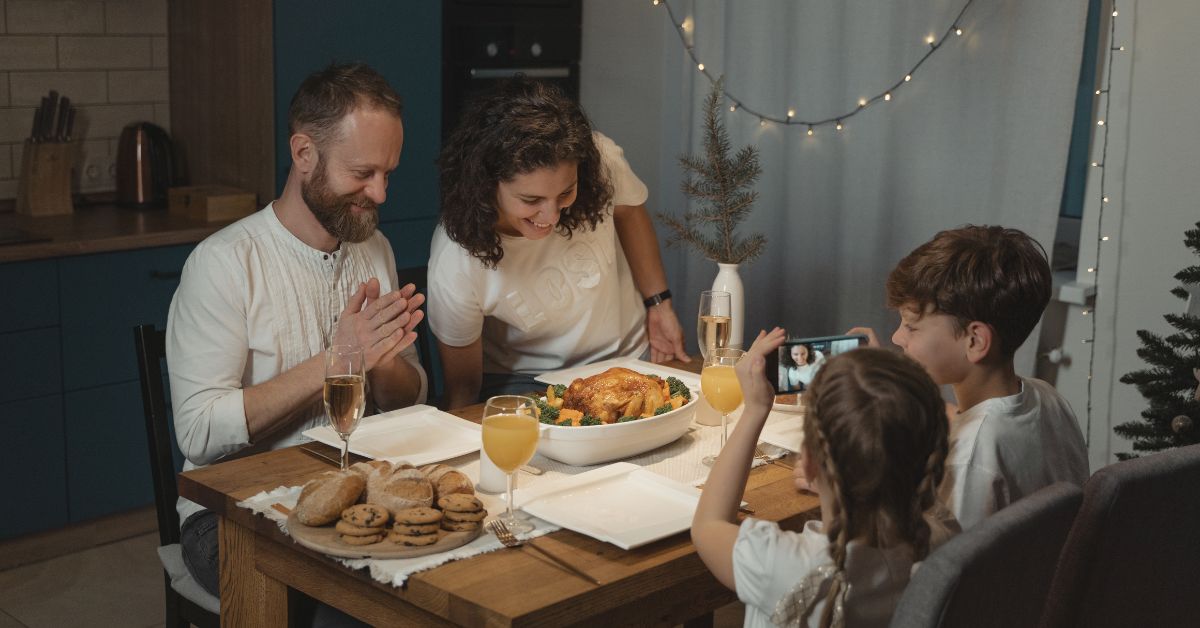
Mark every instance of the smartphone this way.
pixel 792 367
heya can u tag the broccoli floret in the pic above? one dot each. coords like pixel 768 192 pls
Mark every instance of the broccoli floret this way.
pixel 626 419
pixel 663 409
pixel 565 423
pixel 679 388
pixel 547 413
pixel 590 420
pixel 559 389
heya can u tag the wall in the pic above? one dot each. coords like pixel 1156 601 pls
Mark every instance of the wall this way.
pixel 109 57
pixel 1155 196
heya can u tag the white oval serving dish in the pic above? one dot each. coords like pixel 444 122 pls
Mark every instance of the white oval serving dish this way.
pixel 592 444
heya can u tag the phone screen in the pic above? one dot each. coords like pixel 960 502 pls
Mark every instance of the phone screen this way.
pixel 797 361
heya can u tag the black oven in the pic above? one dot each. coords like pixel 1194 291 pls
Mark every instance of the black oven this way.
pixel 484 41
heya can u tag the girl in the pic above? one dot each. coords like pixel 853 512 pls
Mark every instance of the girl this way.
pixel 545 256
pixel 874 446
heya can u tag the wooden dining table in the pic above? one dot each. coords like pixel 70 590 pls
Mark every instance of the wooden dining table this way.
pixel 662 583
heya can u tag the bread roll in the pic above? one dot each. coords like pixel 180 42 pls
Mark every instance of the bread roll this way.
pixel 322 500
pixel 399 492
pixel 367 467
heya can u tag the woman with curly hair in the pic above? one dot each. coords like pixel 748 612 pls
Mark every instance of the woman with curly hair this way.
pixel 545 256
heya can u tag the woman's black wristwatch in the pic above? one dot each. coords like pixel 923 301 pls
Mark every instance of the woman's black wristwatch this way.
pixel 655 299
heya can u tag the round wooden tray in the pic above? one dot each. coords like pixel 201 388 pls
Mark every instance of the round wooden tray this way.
pixel 325 539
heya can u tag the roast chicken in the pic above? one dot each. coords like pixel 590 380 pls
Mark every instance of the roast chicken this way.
pixel 614 393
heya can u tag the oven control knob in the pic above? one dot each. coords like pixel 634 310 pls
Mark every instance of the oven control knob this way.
pixel 492 49
pixel 535 49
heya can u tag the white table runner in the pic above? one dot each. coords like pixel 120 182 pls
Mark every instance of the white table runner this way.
pixel 679 461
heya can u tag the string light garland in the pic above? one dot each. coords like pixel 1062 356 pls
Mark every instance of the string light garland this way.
pixel 934 43
pixel 1101 239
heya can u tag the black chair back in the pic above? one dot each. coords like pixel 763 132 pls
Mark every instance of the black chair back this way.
pixel 150 344
pixel 418 276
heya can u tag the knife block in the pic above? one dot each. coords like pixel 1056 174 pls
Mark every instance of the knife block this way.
pixel 44 188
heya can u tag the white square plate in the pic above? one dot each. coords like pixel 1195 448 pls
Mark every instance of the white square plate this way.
pixel 786 431
pixel 620 503
pixel 417 435
pixel 566 376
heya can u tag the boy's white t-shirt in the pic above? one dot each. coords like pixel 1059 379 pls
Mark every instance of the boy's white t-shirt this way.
pixel 1005 448
pixel 769 565
pixel 550 303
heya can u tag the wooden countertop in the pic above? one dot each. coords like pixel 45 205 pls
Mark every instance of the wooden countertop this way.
pixel 100 229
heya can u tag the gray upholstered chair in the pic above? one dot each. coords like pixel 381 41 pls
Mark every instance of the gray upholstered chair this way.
pixel 997 573
pixel 1132 558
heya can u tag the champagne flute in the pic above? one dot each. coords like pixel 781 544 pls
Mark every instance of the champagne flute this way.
pixel 714 322
pixel 345 397
pixel 720 387
pixel 510 438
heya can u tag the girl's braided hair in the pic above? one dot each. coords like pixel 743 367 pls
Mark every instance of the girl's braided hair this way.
pixel 877 429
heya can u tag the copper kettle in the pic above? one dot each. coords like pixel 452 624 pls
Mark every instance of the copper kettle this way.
pixel 144 171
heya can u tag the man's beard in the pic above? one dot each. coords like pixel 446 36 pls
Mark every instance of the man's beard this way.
pixel 333 210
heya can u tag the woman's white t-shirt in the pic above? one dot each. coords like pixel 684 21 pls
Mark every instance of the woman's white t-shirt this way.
pixel 549 303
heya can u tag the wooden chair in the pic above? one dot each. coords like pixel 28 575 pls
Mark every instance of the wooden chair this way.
pixel 1132 558
pixel 997 573
pixel 186 601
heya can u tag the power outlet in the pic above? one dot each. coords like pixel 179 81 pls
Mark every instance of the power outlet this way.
pixel 97 173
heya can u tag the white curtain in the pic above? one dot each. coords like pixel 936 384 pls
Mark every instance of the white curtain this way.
pixel 980 135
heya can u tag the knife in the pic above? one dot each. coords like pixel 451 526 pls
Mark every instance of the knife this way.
pixel 60 126
pixel 44 113
pixel 51 118
pixel 70 124
pixel 37 124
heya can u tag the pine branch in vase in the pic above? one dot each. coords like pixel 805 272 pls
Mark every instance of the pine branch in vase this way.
pixel 721 185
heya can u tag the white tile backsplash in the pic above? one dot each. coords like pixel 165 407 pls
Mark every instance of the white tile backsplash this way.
pixel 83 88
pixel 55 16
pixel 142 17
pixel 109 56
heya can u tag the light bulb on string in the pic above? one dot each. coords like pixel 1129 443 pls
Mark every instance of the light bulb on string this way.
pixel 1104 239
pixel 1085 312
pixel 1091 270
pixel 958 31
pixel 839 125
pixel 862 102
pixel 1099 122
pixel 791 113
pixel 1104 198
pixel 655 2
pixel 907 78
pixel 700 66
pixel 1114 13
pixel 810 131
pixel 887 96
pixel 929 40
pixel 762 122
pixel 733 107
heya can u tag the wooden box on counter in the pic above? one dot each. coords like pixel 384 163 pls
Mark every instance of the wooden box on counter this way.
pixel 211 203
pixel 44 186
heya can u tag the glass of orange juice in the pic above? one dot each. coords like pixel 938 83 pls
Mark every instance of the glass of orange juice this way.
pixel 510 438
pixel 719 385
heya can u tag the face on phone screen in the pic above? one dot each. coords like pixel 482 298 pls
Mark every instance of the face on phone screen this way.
pixel 799 360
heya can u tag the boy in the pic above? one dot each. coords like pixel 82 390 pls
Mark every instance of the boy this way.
pixel 967 300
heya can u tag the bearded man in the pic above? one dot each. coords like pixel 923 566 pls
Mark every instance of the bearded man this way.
pixel 261 300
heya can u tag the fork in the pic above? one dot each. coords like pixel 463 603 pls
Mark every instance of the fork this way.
pixel 765 457
pixel 508 540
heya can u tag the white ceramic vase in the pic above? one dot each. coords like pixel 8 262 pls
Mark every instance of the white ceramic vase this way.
pixel 729 281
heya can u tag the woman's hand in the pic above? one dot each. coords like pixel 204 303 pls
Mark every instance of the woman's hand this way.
pixel 751 371
pixel 381 324
pixel 665 334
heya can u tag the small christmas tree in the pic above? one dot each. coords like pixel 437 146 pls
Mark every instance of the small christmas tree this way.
pixel 719 182
pixel 1170 384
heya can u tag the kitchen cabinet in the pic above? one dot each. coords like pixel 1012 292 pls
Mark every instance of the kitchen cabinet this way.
pixel 73 407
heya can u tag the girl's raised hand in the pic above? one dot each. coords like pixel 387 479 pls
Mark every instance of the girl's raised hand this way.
pixel 751 370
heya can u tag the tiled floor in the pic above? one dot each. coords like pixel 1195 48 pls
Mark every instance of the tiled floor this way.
pixel 118 584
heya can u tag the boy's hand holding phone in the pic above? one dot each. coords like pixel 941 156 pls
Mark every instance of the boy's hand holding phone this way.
pixel 757 392
pixel 872 339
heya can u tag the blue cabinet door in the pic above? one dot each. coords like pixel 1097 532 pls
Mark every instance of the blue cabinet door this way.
pixel 34 465
pixel 30 366
pixel 108 461
pixel 31 294
pixel 103 297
